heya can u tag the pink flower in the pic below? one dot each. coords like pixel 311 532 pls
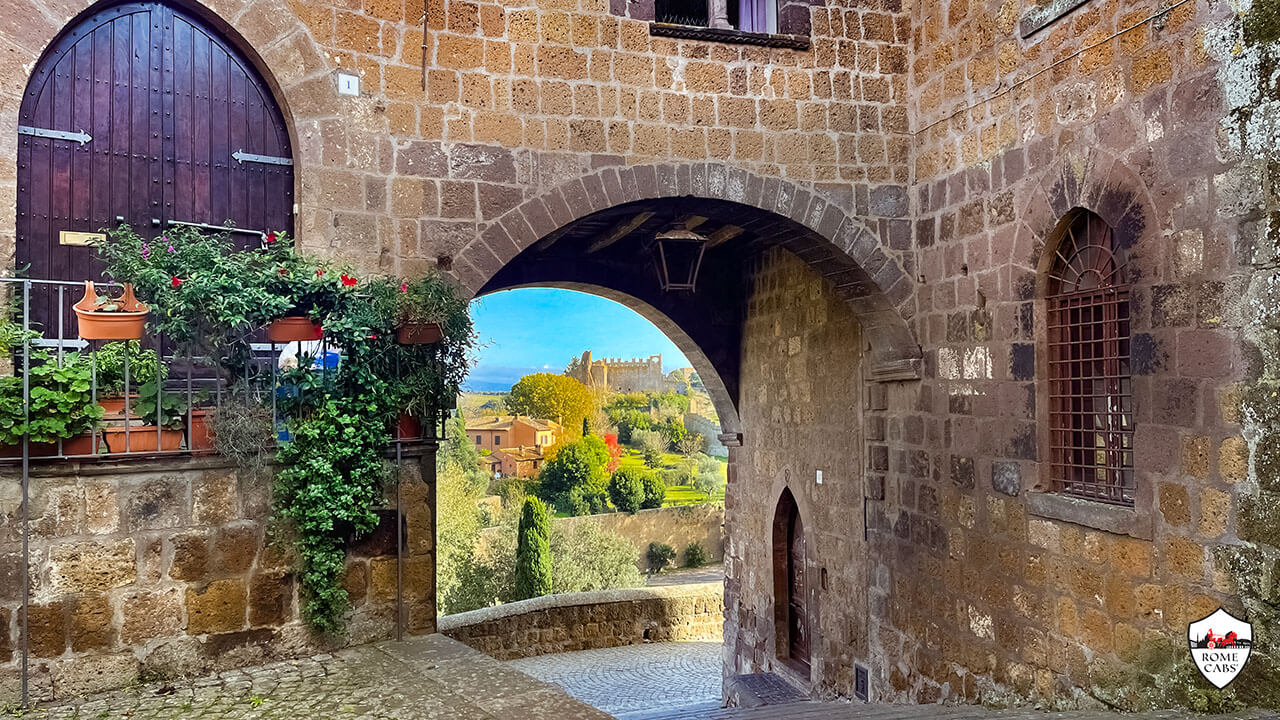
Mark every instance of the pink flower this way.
pixel 404 287
pixel 146 251
pixel 171 249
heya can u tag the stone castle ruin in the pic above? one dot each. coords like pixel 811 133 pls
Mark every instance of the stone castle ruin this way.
pixel 635 375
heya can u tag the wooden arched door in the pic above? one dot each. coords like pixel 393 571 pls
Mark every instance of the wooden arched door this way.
pixel 144 113
pixel 791 585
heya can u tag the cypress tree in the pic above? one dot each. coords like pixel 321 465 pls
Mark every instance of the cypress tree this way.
pixel 586 427
pixel 533 551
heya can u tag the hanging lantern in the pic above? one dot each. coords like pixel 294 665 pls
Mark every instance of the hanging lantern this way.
pixel 680 258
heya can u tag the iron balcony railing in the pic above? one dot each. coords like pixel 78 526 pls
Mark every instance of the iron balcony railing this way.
pixel 163 409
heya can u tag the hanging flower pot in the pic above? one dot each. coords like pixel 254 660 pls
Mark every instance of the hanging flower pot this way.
pixel 411 333
pixel 408 427
pixel 102 317
pixel 294 328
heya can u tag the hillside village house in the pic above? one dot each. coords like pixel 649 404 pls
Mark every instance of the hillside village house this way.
pixel 984 293
pixel 512 431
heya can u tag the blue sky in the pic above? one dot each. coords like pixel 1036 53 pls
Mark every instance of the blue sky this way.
pixel 539 329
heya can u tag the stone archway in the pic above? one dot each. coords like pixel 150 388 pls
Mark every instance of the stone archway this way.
pixel 859 262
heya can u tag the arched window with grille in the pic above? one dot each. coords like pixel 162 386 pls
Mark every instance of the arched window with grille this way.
pixel 1090 390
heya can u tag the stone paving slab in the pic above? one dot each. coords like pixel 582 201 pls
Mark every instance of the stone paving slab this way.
pixel 632 678
pixel 425 678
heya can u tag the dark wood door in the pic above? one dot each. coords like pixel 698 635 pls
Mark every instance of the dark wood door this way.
pixel 143 113
pixel 797 592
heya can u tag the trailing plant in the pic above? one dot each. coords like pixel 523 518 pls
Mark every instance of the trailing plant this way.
pixel 245 432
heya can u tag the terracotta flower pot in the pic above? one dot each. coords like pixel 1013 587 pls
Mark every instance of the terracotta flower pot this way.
pixel 294 328
pixel 113 405
pixel 408 427
pixel 418 333
pixel 200 432
pixel 142 438
pixel 126 324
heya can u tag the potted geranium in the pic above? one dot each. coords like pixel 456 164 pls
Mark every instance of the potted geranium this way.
pixel 103 317
pixel 424 306
pixel 309 290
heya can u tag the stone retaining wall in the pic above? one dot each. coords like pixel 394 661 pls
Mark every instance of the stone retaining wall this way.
pixel 678 527
pixel 151 569
pixel 584 621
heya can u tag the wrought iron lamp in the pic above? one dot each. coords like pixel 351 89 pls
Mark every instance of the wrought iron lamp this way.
pixel 680 258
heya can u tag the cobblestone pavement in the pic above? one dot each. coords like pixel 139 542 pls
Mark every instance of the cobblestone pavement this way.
pixel 634 677
pixel 711 573
pixel 426 678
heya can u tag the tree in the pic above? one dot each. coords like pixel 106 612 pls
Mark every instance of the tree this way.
pixel 586 426
pixel 575 478
pixel 533 551
pixel 457 449
pixel 551 397
pixel 627 489
pixel 655 491
pixel 691 444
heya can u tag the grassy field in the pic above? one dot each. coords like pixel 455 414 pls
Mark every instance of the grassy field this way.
pixel 469 403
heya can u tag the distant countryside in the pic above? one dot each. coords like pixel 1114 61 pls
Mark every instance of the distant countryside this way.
pixel 599 441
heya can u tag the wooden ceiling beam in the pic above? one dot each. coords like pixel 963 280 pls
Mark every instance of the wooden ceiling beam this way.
pixel 620 231
pixel 723 235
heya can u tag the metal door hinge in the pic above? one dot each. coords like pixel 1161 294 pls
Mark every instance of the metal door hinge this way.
pixel 242 157
pixel 81 137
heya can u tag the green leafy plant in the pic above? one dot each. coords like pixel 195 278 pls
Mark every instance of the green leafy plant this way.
pixel 200 287
pixel 144 366
pixel 167 408
pixel 659 556
pixel 60 400
pixel 533 551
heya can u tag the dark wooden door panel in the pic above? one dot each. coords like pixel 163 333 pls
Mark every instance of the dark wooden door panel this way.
pixel 166 102
pixel 797 593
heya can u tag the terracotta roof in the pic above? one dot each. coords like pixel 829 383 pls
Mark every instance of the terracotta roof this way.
pixel 504 422
pixel 525 452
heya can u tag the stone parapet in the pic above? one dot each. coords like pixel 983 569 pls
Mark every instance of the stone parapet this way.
pixel 588 620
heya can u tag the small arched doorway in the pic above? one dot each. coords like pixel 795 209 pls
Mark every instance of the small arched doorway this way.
pixel 791 585
pixel 144 113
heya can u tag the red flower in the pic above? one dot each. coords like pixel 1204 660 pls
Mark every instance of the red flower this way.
pixel 319 273
pixel 404 287
pixel 271 237
pixel 176 281
pixel 373 337
pixel 283 271
pixel 348 281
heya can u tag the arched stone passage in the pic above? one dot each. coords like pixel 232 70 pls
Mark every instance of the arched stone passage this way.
pixel 725 405
pixel 858 261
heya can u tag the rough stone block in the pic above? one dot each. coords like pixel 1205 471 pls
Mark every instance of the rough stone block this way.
pixel 151 615
pixel 217 607
pixel 1006 478
pixel 92 566
pixel 91 623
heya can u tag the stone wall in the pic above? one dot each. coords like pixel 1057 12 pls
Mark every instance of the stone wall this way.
pixel 153 569
pixel 584 621
pixel 678 527
pixel 986 588
pixel 801 402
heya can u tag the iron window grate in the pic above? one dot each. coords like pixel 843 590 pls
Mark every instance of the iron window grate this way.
pixel 1090 390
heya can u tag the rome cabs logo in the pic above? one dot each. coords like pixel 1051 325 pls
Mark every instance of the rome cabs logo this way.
pixel 1220 645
